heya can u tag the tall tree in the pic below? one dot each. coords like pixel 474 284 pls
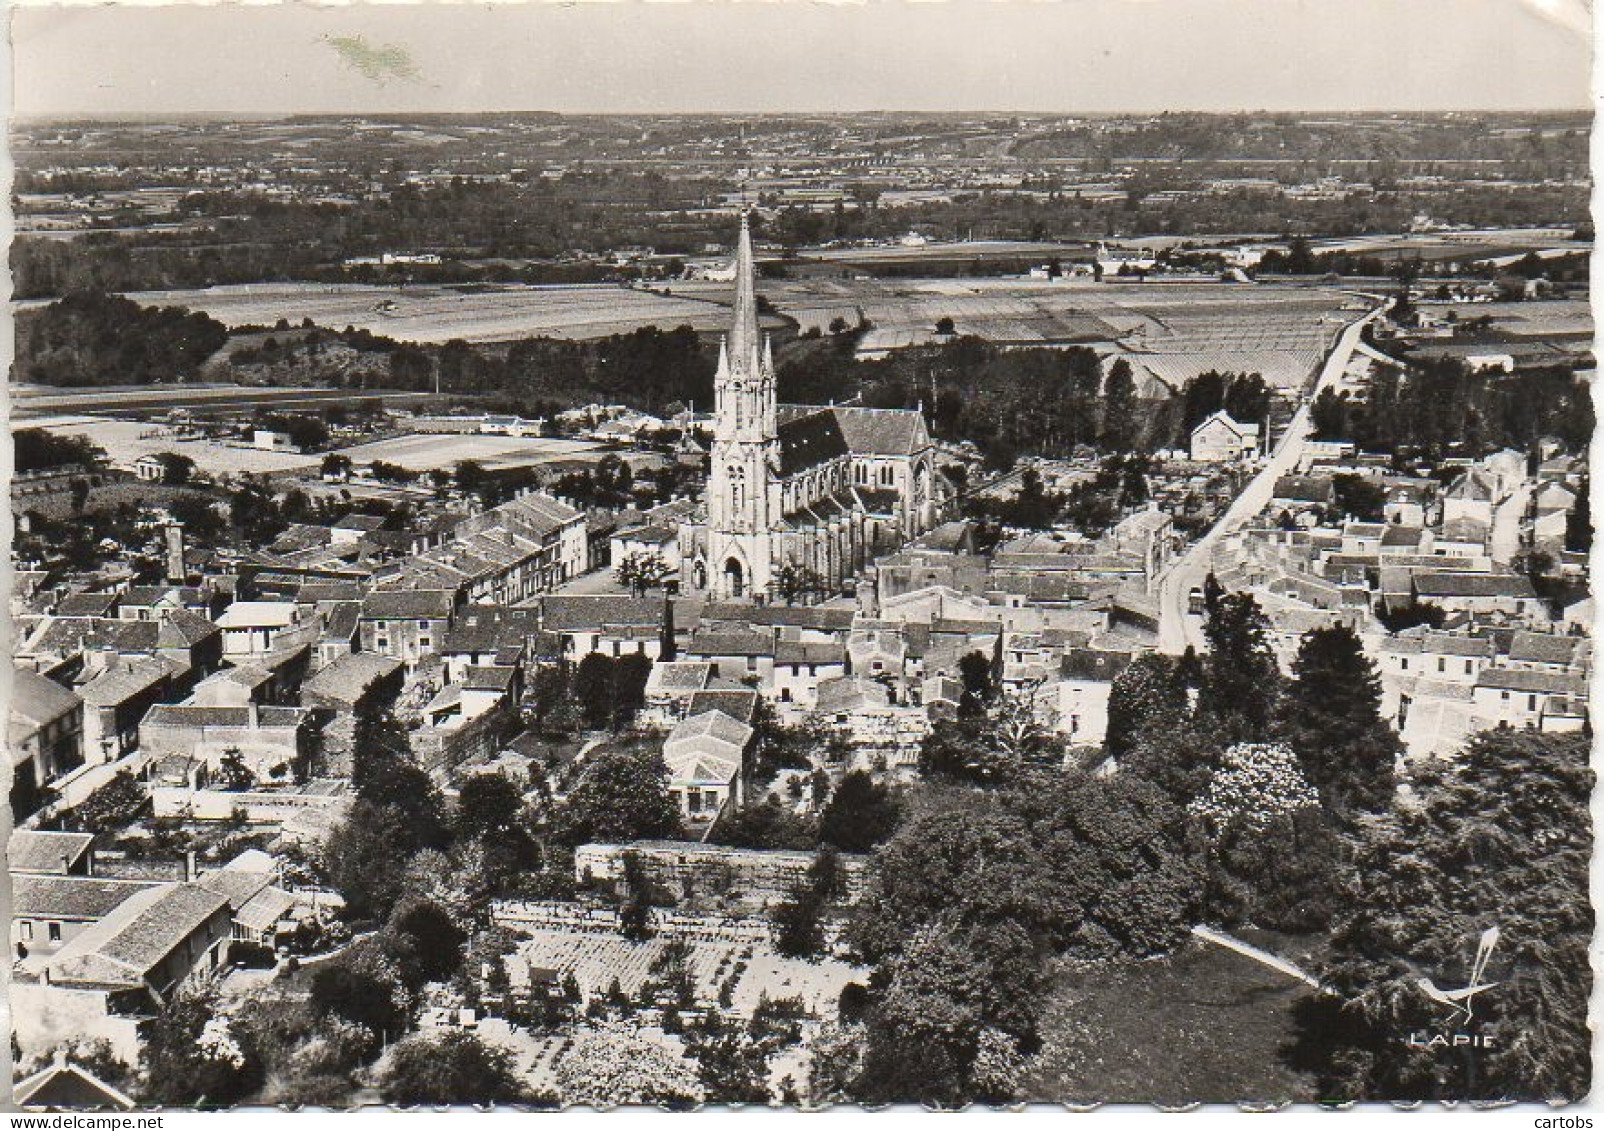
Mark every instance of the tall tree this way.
pixel 1332 717
pixel 1120 426
pixel 861 813
pixel 622 797
pixel 1145 696
pixel 1242 679
pixel 1500 836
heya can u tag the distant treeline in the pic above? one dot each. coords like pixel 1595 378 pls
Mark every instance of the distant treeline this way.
pixel 1442 405
pixel 100 339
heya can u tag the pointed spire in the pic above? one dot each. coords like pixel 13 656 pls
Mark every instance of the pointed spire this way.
pixel 723 358
pixel 768 354
pixel 744 333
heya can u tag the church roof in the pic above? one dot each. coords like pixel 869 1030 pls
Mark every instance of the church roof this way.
pixel 882 431
pixel 810 440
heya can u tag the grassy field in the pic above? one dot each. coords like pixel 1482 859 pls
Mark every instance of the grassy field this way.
pixel 1205 1025
pixel 126 440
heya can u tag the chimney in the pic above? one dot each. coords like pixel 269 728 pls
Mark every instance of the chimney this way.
pixel 255 714
pixel 189 866
pixel 176 570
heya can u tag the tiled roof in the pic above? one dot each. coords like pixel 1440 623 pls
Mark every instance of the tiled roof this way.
pixel 1433 584
pixel 487 628
pixel 156 931
pixel 37 700
pixel 679 676
pixel 408 604
pixel 125 678
pixel 348 678
pixel 41 850
pixel 809 652
pixel 86 605
pixel 571 613
pixel 738 703
pixel 193 715
pixel 1543 648
pixel 731 643
pixel 479 678
pixel 1520 679
pixel 69 897
pixel 821 617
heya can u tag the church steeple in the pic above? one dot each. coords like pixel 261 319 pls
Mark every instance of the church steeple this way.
pixel 744 341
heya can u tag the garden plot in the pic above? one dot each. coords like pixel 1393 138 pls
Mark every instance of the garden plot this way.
pixel 596 958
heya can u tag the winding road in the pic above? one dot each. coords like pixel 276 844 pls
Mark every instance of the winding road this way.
pixel 1176 628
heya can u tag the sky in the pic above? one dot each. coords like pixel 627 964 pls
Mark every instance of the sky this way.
pixel 768 56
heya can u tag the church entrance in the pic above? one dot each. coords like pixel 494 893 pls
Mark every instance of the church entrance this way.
pixel 735 577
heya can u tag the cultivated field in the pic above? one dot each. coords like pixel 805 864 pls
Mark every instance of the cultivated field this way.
pixel 47 400
pixel 426 314
pixel 427 451
pixel 126 440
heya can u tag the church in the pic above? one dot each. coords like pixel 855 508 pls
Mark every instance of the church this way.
pixel 798 487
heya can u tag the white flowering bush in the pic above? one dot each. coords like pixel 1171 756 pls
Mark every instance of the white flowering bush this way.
pixel 1257 784
pixel 612 1064
pixel 217 1043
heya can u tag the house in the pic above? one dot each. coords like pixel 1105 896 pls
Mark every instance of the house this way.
pixel 706 755
pixel 1086 678
pixel 738 655
pixel 1220 439
pixel 488 634
pixel 151 602
pixel 250 627
pixel 881 734
pixel 270 441
pixel 150 468
pixel 406 623
pixel 801 665
pixel 1533 699
pixel 46 852
pixel 670 686
pixel 1472 495
pixel 1547 651
pixel 47 912
pixel 1508 594
pixel 47 737
pixel 614 626
pixel 353 683
pixel 352 528
pixel 64 1085
pixel 269 741
pixel 652 542
pixel 117 692
pixel 110 979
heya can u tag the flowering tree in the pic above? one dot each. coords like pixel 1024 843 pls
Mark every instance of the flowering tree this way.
pixel 613 1064
pixel 1256 785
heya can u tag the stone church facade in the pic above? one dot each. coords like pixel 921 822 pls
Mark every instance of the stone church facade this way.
pixel 797 488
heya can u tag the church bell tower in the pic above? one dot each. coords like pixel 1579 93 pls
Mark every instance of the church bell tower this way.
pixel 742 492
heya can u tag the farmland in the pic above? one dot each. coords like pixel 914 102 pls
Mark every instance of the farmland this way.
pixel 435 314
pixel 424 452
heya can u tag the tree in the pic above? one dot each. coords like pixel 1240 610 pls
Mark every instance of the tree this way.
pixel 623 796
pixel 434 940
pixel 1500 836
pixel 451 1068
pixel 976 671
pixel 793 581
pixel 861 814
pixel 1360 498
pixel 945 326
pixel 176 468
pixel 1120 426
pixel 364 987
pixel 640 571
pixel 798 920
pixel 1146 696
pixel 1256 784
pixel 193 1057
pixel 1332 717
pixel 731 1065
pixel 114 805
pixel 994 747
pixel 611 1064
pixel 1579 520
pixel 1242 679
pixel 593 688
pixel 337 466
pixel 363 860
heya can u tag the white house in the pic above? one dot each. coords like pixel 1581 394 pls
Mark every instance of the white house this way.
pixel 1220 439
